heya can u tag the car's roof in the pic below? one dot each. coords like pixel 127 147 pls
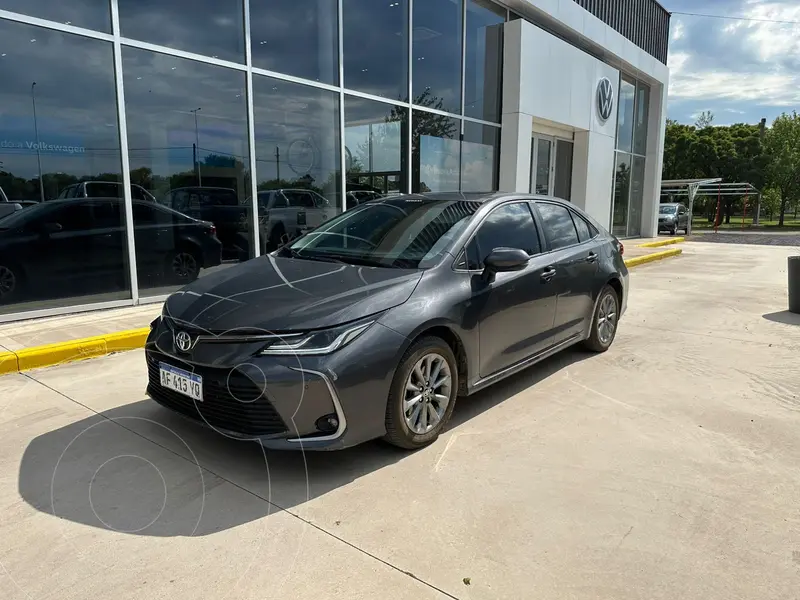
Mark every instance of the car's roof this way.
pixel 670 203
pixel 469 197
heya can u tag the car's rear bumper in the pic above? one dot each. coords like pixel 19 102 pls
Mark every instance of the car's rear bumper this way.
pixel 295 403
pixel 212 255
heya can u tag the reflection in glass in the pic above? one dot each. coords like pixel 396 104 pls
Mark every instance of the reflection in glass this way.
pixel 637 197
pixel 562 187
pixel 437 54
pixel 297 158
pixel 296 38
pixel 541 166
pixel 484 60
pixel 211 27
pixel 627 97
pixel 187 140
pixel 436 153
pixel 58 127
pixel 375 146
pixel 480 153
pixel 642 114
pixel 375 39
pixel 622 185
pixel 91 14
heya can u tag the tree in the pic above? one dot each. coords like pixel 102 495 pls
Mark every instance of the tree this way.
pixel 771 202
pixel 782 143
pixel 706 119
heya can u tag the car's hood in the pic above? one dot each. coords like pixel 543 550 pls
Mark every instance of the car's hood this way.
pixel 284 294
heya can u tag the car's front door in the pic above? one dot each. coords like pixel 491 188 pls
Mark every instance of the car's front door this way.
pixel 516 309
pixel 576 262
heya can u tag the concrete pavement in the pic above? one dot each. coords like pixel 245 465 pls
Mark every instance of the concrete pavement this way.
pixel 665 468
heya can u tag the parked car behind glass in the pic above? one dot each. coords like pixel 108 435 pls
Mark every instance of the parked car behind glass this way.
pixel 375 322
pixel 81 244
pixel 673 217
pixel 285 214
pixel 104 189
pixel 221 207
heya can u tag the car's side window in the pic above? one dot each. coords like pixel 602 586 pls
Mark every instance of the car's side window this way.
pixel 508 226
pixel 584 232
pixel 559 228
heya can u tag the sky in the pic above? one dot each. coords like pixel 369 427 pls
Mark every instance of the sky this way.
pixel 741 70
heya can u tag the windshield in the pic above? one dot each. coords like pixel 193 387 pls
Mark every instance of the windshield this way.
pixel 404 233
pixel 667 210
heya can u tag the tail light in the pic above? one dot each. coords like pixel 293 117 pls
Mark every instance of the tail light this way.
pixel 621 249
pixel 212 230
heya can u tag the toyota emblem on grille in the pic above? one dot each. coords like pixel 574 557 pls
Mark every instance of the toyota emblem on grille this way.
pixel 605 98
pixel 183 341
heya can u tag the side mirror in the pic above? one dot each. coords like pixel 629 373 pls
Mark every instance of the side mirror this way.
pixel 505 259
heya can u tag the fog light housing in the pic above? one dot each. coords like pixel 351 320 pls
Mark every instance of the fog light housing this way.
pixel 328 423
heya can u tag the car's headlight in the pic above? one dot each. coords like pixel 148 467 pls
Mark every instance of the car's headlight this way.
pixel 318 342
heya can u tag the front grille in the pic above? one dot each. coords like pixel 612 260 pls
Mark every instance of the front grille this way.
pixel 230 399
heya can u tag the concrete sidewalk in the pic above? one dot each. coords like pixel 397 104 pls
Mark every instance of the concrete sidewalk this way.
pixel 67 328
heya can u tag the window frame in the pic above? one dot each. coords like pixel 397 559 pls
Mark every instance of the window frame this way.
pixel 460 256
pixel 573 215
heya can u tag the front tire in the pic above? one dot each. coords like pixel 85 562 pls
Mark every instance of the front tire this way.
pixel 604 321
pixel 9 283
pixel 423 394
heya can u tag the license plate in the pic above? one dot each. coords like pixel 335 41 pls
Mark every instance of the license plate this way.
pixel 181 381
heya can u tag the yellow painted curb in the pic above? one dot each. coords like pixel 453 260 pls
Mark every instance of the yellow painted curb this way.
pixel 648 258
pixel 63 352
pixel 666 242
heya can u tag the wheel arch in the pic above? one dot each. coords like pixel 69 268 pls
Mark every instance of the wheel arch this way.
pixel 445 332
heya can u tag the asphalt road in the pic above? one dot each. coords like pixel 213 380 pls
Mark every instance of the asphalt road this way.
pixel 760 238
pixel 666 468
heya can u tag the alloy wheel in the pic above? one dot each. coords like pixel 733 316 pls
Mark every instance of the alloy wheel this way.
pixel 428 388
pixel 607 319
pixel 184 265
pixel 8 282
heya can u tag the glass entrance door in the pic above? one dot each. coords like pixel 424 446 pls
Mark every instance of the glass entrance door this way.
pixel 551 167
pixel 542 165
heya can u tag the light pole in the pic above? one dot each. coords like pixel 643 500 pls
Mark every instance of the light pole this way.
pixel 36 131
pixel 197 146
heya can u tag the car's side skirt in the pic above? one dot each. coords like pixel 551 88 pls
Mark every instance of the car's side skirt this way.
pixel 525 363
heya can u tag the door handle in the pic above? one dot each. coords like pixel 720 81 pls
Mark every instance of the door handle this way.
pixel 591 258
pixel 548 274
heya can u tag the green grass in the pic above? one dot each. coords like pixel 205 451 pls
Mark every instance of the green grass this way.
pixel 789 223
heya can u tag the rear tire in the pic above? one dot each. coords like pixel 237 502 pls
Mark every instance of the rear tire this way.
pixel 182 266
pixel 604 321
pixel 422 395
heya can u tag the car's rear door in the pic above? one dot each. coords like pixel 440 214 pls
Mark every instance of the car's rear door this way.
pixel 574 256
pixel 516 310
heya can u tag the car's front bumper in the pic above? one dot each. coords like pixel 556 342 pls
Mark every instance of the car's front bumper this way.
pixel 284 402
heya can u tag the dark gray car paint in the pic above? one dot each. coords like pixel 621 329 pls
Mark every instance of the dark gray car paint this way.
pixel 461 306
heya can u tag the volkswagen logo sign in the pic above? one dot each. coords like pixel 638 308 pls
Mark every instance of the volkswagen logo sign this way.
pixel 183 341
pixel 605 99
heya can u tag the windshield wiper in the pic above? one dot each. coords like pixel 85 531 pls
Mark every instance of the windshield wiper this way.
pixel 318 257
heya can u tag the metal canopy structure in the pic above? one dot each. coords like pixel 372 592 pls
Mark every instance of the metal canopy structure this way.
pixel 692 188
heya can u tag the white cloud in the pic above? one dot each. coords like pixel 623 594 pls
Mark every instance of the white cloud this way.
pixel 744 61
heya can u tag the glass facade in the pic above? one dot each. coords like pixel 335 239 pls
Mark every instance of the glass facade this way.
pixel 631 148
pixel 144 144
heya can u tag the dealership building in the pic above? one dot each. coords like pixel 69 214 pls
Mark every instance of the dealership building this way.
pixel 228 109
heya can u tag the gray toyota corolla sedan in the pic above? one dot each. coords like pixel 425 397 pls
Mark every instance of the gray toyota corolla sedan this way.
pixel 373 324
